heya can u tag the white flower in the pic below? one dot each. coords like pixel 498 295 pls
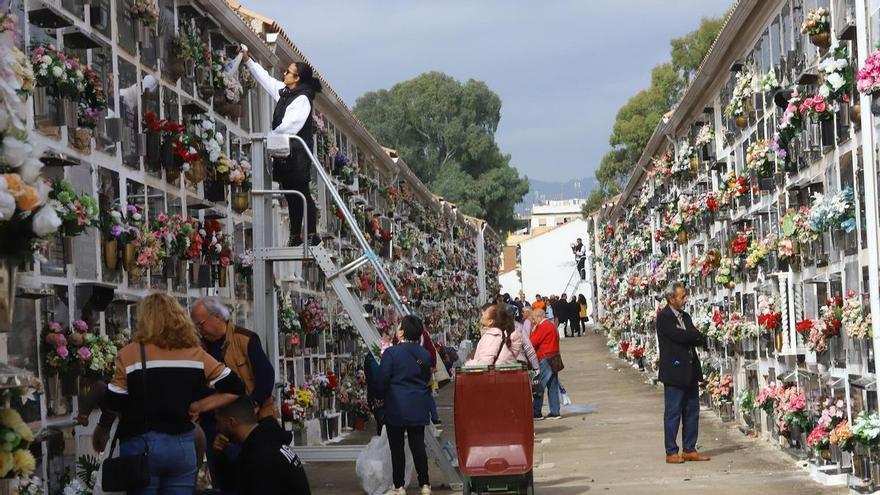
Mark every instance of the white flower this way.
pixel 208 125
pixel 116 214
pixel 45 222
pixel 137 217
pixel 7 205
pixel 15 152
pixel 824 91
pixel 842 63
pixel 219 138
pixel 4 118
pixel 835 80
pixel 58 71
pixel 30 170
pixel 43 189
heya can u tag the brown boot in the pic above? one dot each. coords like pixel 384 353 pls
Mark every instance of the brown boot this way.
pixel 674 459
pixel 693 457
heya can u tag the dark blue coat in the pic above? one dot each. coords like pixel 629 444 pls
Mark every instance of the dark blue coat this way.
pixel 404 383
pixel 679 362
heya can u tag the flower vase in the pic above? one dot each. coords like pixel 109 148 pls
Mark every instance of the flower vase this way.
pixel 233 110
pixel 153 158
pixel 171 266
pixel 215 190
pixel 825 454
pixel 8 273
pixel 875 104
pixel 821 40
pixel 220 104
pixel 69 107
pixel 128 256
pixel 221 275
pixel 856 114
pixel 827 129
pixel 166 152
pixel 197 171
pixel 55 397
pixel 777 340
pixel 203 275
pixel 82 140
pixel 682 237
pixel 182 272
pixel 189 66
pixel 111 254
pixel 241 200
pixel 67 248
pixel 176 68
pixel 87 391
pixel 360 424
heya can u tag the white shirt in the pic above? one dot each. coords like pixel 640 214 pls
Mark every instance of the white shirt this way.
pixel 296 114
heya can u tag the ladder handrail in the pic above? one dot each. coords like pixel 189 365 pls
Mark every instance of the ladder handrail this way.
pixel 352 223
pixel 568 284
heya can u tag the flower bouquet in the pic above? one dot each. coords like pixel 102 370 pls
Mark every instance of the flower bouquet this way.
pixel 758 251
pixel 758 158
pixel 796 226
pixel 842 437
pixel 313 318
pixel 217 248
pixel 15 438
pixel 768 398
pixel 145 11
pixel 733 186
pixel 868 77
pixel 76 212
pixel 769 317
pixel 854 319
pixel 817 108
pixel 740 101
pixel 833 211
pixel 817 23
pixel 838 76
pixel 866 429
pixel 722 391
pixel 790 410
pixel 831 414
pixel 92 101
pixel 62 76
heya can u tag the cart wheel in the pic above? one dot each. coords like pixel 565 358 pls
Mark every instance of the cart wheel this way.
pixel 528 485
pixel 466 488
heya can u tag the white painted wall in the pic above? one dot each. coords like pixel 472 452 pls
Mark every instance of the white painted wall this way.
pixel 510 283
pixel 547 260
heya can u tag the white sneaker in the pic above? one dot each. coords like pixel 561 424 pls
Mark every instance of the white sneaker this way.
pixel 396 491
pixel 426 490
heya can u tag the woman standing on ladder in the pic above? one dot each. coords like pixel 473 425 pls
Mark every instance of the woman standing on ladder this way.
pixel 294 100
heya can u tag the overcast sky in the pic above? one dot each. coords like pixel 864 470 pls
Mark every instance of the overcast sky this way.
pixel 562 67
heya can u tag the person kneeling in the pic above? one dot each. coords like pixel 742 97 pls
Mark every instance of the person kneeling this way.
pixel 266 465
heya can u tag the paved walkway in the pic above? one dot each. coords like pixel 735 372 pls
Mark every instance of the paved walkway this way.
pixel 618 448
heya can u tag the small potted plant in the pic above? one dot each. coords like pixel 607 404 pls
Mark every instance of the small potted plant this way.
pixel 817 25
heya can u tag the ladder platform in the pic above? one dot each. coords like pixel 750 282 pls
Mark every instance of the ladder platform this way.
pixel 297 253
pixel 329 453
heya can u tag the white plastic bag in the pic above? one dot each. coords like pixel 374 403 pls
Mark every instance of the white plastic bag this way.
pixel 373 466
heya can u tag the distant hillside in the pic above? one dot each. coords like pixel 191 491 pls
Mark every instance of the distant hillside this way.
pixel 540 191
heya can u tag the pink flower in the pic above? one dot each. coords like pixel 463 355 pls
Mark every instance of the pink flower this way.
pixel 162 217
pixel 62 352
pixel 820 107
pixel 76 339
pixel 80 325
pixel 84 353
pixel 55 327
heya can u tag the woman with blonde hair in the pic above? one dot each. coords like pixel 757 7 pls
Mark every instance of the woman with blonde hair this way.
pixel 156 404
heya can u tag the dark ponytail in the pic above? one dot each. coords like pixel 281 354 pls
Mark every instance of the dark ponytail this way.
pixel 307 76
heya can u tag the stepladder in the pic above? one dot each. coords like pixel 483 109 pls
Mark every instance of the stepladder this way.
pixel 268 251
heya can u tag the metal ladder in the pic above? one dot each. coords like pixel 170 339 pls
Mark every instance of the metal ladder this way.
pixel 569 286
pixel 266 254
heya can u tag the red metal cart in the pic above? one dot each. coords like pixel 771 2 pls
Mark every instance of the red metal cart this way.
pixel 494 429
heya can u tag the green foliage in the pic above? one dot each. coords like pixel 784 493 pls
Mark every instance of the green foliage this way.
pixel 445 131
pixel 638 118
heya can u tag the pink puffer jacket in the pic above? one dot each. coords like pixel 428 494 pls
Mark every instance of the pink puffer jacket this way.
pixel 488 345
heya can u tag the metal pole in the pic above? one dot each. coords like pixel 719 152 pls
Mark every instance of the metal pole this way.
pixel 481 264
pixel 870 175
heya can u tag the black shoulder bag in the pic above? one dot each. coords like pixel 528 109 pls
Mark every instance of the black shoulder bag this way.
pixel 128 473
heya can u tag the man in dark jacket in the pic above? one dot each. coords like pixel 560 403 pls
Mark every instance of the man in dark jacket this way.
pixel 560 313
pixel 680 372
pixel 266 464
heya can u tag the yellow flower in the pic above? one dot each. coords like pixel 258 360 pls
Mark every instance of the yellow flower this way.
pixel 6 463
pixel 11 419
pixel 24 461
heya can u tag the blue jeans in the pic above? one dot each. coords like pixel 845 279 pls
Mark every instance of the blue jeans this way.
pixel 172 461
pixel 435 418
pixel 550 381
pixel 682 408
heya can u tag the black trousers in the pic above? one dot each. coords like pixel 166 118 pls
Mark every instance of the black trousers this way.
pixel 416 436
pixel 294 173
pixel 575 324
pixel 581 263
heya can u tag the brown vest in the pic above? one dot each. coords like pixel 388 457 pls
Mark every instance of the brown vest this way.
pixel 236 357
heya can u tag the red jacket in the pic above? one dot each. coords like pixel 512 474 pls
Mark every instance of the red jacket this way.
pixel 545 339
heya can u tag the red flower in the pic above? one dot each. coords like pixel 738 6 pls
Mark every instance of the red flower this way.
pixel 804 326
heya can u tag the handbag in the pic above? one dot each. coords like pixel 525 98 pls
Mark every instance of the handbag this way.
pixel 555 362
pixel 128 472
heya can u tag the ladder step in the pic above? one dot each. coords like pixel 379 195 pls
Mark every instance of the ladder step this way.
pixel 329 453
pixel 284 253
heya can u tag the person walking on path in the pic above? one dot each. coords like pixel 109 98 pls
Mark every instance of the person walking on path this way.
pixel 403 382
pixel 680 373
pixel 560 312
pixel 294 99
pixel 583 313
pixel 545 339
pixel 574 320
pixel 499 342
